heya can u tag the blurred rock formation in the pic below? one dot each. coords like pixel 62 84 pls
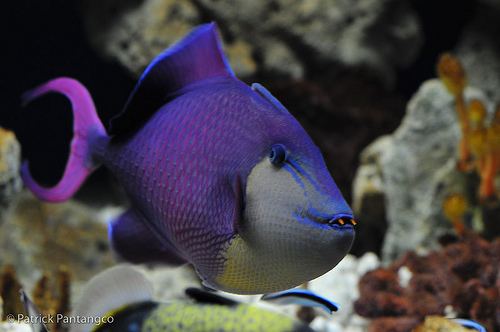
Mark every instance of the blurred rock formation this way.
pixel 51 296
pixel 437 324
pixel 417 168
pixel 479 50
pixel 134 31
pixel 368 194
pixel 10 181
pixel 326 61
pixel 40 237
pixel 280 36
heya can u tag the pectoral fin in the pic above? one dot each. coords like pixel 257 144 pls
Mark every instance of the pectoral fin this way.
pixel 208 297
pixel 136 241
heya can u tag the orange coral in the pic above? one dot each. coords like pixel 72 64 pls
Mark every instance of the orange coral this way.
pixel 454 208
pixel 477 135
pixel 492 159
pixel 480 144
pixel 452 75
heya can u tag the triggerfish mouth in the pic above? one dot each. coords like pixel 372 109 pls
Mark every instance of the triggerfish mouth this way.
pixel 219 174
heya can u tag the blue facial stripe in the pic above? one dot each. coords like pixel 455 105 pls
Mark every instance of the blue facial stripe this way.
pixel 297 179
pixel 287 166
pixel 322 215
pixel 319 214
pixel 306 221
pixel 297 171
pixel 305 174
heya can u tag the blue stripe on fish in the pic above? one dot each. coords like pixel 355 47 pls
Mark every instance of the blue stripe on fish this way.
pixel 470 324
pixel 301 297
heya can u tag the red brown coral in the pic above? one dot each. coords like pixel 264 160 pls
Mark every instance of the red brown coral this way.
pixel 393 324
pixel 463 274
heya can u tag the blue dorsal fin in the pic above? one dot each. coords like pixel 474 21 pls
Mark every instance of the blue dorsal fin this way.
pixel 195 58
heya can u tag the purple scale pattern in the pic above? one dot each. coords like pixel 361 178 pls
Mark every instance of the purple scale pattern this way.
pixel 179 168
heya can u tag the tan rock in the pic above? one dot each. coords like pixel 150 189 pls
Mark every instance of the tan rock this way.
pixel 39 237
pixel 439 324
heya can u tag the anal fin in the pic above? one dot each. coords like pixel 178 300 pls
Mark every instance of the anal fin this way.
pixel 134 241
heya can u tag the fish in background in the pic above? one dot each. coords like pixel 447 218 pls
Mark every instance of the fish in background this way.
pixel 302 297
pixel 219 174
pixel 121 299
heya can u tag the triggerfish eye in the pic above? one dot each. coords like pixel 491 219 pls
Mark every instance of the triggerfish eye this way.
pixel 278 154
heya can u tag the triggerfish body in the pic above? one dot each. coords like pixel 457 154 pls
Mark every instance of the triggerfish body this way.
pixel 219 174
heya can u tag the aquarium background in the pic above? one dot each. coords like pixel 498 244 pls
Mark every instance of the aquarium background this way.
pixel 346 69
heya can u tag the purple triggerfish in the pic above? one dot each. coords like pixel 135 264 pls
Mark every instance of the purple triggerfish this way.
pixel 219 174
